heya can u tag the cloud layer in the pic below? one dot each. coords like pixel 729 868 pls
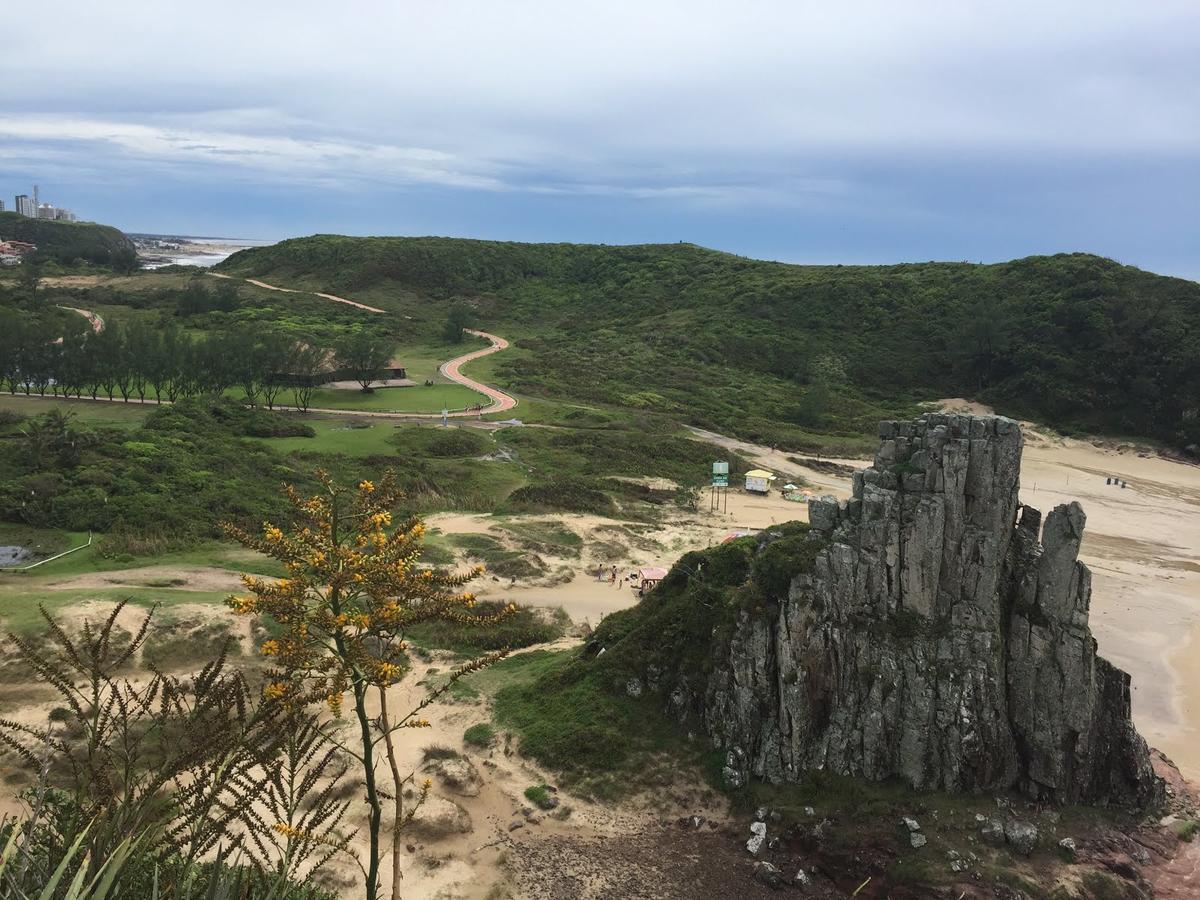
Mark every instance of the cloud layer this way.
pixel 989 128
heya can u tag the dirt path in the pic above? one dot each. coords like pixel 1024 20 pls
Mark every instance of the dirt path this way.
pixel 94 320
pixel 333 297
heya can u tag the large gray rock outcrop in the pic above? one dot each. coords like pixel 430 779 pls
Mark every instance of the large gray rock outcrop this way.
pixel 936 639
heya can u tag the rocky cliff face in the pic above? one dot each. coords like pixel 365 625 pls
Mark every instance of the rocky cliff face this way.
pixel 935 639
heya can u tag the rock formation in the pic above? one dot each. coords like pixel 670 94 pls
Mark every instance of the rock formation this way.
pixel 935 638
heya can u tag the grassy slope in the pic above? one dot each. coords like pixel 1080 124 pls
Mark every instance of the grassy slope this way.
pixel 68 242
pixel 740 344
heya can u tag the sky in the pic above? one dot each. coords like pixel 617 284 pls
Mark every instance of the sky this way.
pixel 855 132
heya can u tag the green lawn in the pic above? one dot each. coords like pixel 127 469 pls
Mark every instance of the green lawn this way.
pixel 94 412
pixel 422 360
pixel 416 399
pixel 369 437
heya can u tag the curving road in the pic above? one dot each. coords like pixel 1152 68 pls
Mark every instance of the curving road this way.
pixel 500 401
pixel 94 320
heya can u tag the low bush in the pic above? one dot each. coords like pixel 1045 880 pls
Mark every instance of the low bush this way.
pixel 541 796
pixel 526 627
pixel 481 735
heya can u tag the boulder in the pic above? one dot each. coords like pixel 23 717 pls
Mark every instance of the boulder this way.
pixel 993 833
pixel 1022 836
pixel 768 874
pixel 439 817
pixel 457 775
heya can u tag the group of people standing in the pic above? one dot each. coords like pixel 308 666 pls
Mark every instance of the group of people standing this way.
pixel 614 578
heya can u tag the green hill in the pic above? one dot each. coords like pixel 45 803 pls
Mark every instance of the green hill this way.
pixel 71 242
pixel 782 352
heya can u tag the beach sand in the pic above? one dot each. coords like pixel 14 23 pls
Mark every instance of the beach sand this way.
pixel 1142 544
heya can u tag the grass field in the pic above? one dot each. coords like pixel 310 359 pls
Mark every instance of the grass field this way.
pixel 343 435
pixel 416 399
pixel 94 412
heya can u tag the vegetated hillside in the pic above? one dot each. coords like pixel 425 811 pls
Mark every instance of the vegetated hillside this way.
pixel 774 351
pixel 71 242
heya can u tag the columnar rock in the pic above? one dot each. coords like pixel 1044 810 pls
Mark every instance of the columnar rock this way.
pixel 936 638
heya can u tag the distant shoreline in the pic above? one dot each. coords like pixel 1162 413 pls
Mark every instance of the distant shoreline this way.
pixel 156 251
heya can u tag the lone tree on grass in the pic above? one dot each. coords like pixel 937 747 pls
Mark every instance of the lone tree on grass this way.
pixel 364 356
pixel 354 586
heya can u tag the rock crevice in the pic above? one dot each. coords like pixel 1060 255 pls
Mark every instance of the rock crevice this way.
pixel 940 637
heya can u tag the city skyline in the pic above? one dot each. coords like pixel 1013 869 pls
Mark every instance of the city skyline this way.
pixel 33 208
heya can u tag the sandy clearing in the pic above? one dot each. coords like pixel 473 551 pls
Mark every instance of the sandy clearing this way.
pixel 777 461
pixel 180 578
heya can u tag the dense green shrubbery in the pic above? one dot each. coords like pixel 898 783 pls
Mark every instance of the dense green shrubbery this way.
pixel 442 443
pixel 590 453
pixel 778 352
pixel 561 495
pixel 526 627
pixel 182 471
pixel 71 242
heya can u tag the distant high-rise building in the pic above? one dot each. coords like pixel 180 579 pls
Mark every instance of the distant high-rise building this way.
pixel 1 206
pixel 36 203
pixel 25 206
pixel 46 211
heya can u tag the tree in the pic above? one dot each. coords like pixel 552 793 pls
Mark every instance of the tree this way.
pixel 353 590
pixel 364 356
pixel 458 320
pixel 273 354
pixel 309 367
pixel 30 276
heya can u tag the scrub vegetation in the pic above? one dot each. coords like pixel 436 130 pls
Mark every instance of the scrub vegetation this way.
pixel 787 354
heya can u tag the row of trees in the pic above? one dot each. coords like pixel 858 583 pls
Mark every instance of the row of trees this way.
pixel 139 361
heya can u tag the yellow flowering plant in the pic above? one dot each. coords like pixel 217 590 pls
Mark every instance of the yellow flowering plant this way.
pixel 354 585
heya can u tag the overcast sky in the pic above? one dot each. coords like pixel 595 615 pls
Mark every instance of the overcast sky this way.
pixel 804 131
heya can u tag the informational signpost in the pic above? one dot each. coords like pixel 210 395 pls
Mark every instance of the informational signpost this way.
pixel 719 496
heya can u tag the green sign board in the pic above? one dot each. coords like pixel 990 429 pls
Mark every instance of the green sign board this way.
pixel 720 481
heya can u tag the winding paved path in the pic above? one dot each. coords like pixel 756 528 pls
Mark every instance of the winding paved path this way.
pixel 500 401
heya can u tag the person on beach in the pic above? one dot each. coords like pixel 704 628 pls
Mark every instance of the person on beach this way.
pixel 600 572
pixel 612 576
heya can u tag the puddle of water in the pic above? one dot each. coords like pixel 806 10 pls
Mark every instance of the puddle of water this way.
pixel 12 555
